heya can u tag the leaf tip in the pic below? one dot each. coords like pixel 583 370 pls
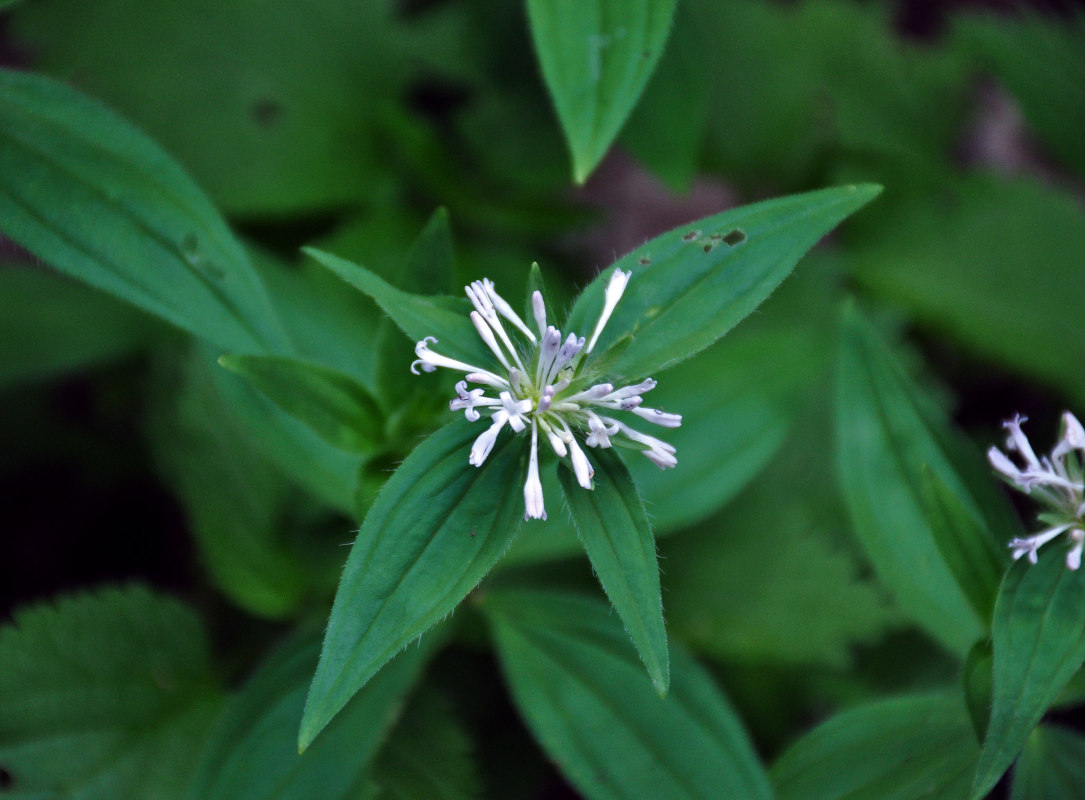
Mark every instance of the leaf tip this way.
pixel 867 191
pixel 583 166
pixel 311 726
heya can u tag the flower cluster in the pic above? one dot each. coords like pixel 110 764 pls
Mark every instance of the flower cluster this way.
pixel 546 383
pixel 1055 480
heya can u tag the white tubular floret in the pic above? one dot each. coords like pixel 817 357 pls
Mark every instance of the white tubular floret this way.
pixel 615 290
pixel 538 308
pixel 533 493
pixel 659 417
pixel 485 442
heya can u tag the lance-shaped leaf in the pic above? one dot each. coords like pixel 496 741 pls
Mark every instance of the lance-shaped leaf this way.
pixel 618 538
pixel 692 285
pixel 252 753
pixel 900 749
pixel 888 433
pixel 596 57
pixel 969 550
pixel 444 318
pixel 1039 643
pixel 86 192
pixel 327 472
pixel 104 695
pixel 438 526
pixel 430 266
pixel 581 688
pixel 335 406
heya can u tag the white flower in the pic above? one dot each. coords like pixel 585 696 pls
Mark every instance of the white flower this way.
pixel 1055 480
pixel 546 382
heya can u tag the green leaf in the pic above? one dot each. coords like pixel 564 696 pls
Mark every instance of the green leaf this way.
pixel 427 734
pixel 418 316
pixel 887 434
pixel 52 326
pixel 1003 280
pixel 252 753
pixel 1039 643
pixel 899 749
pixel 329 322
pixel 596 57
pixel 692 285
pixel 1052 765
pixel 978 685
pixel 104 695
pixel 968 548
pixel 430 267
pixel 616 533
pixel 733 422
pixel 325 471
pixel 334 406
pixel 837 94
pixel 438 526
pixel 234 498
pixel 288 118
pixel 767 580
pixel 581 688
pixel 89 194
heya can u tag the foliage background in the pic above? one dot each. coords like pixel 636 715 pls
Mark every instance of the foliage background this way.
pixel 346 124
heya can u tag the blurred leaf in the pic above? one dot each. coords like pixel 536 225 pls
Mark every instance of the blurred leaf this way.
pixel 596 57
pixel 104 694
pixel 615 531
pixel 766 580
pixel 427 754
pixel 1052 766
pixel 325 471
pixel 438 526
pixel 850 87
pixel 1004 278
pixel 583 692
pixel 430 266
pixel 283 119
pixel 666 130
pixel 888 433
pixel 693 284
pixel 1039 643
pixel 733 422
pixel 418 316
pixel 979 685
pixel 428 269
pixel 252 753
pixel 333 405
pixel 52 326
pixel 233 497
pixel 329 322
pixel 898 749
pixel 90 195
pixel 1042 62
